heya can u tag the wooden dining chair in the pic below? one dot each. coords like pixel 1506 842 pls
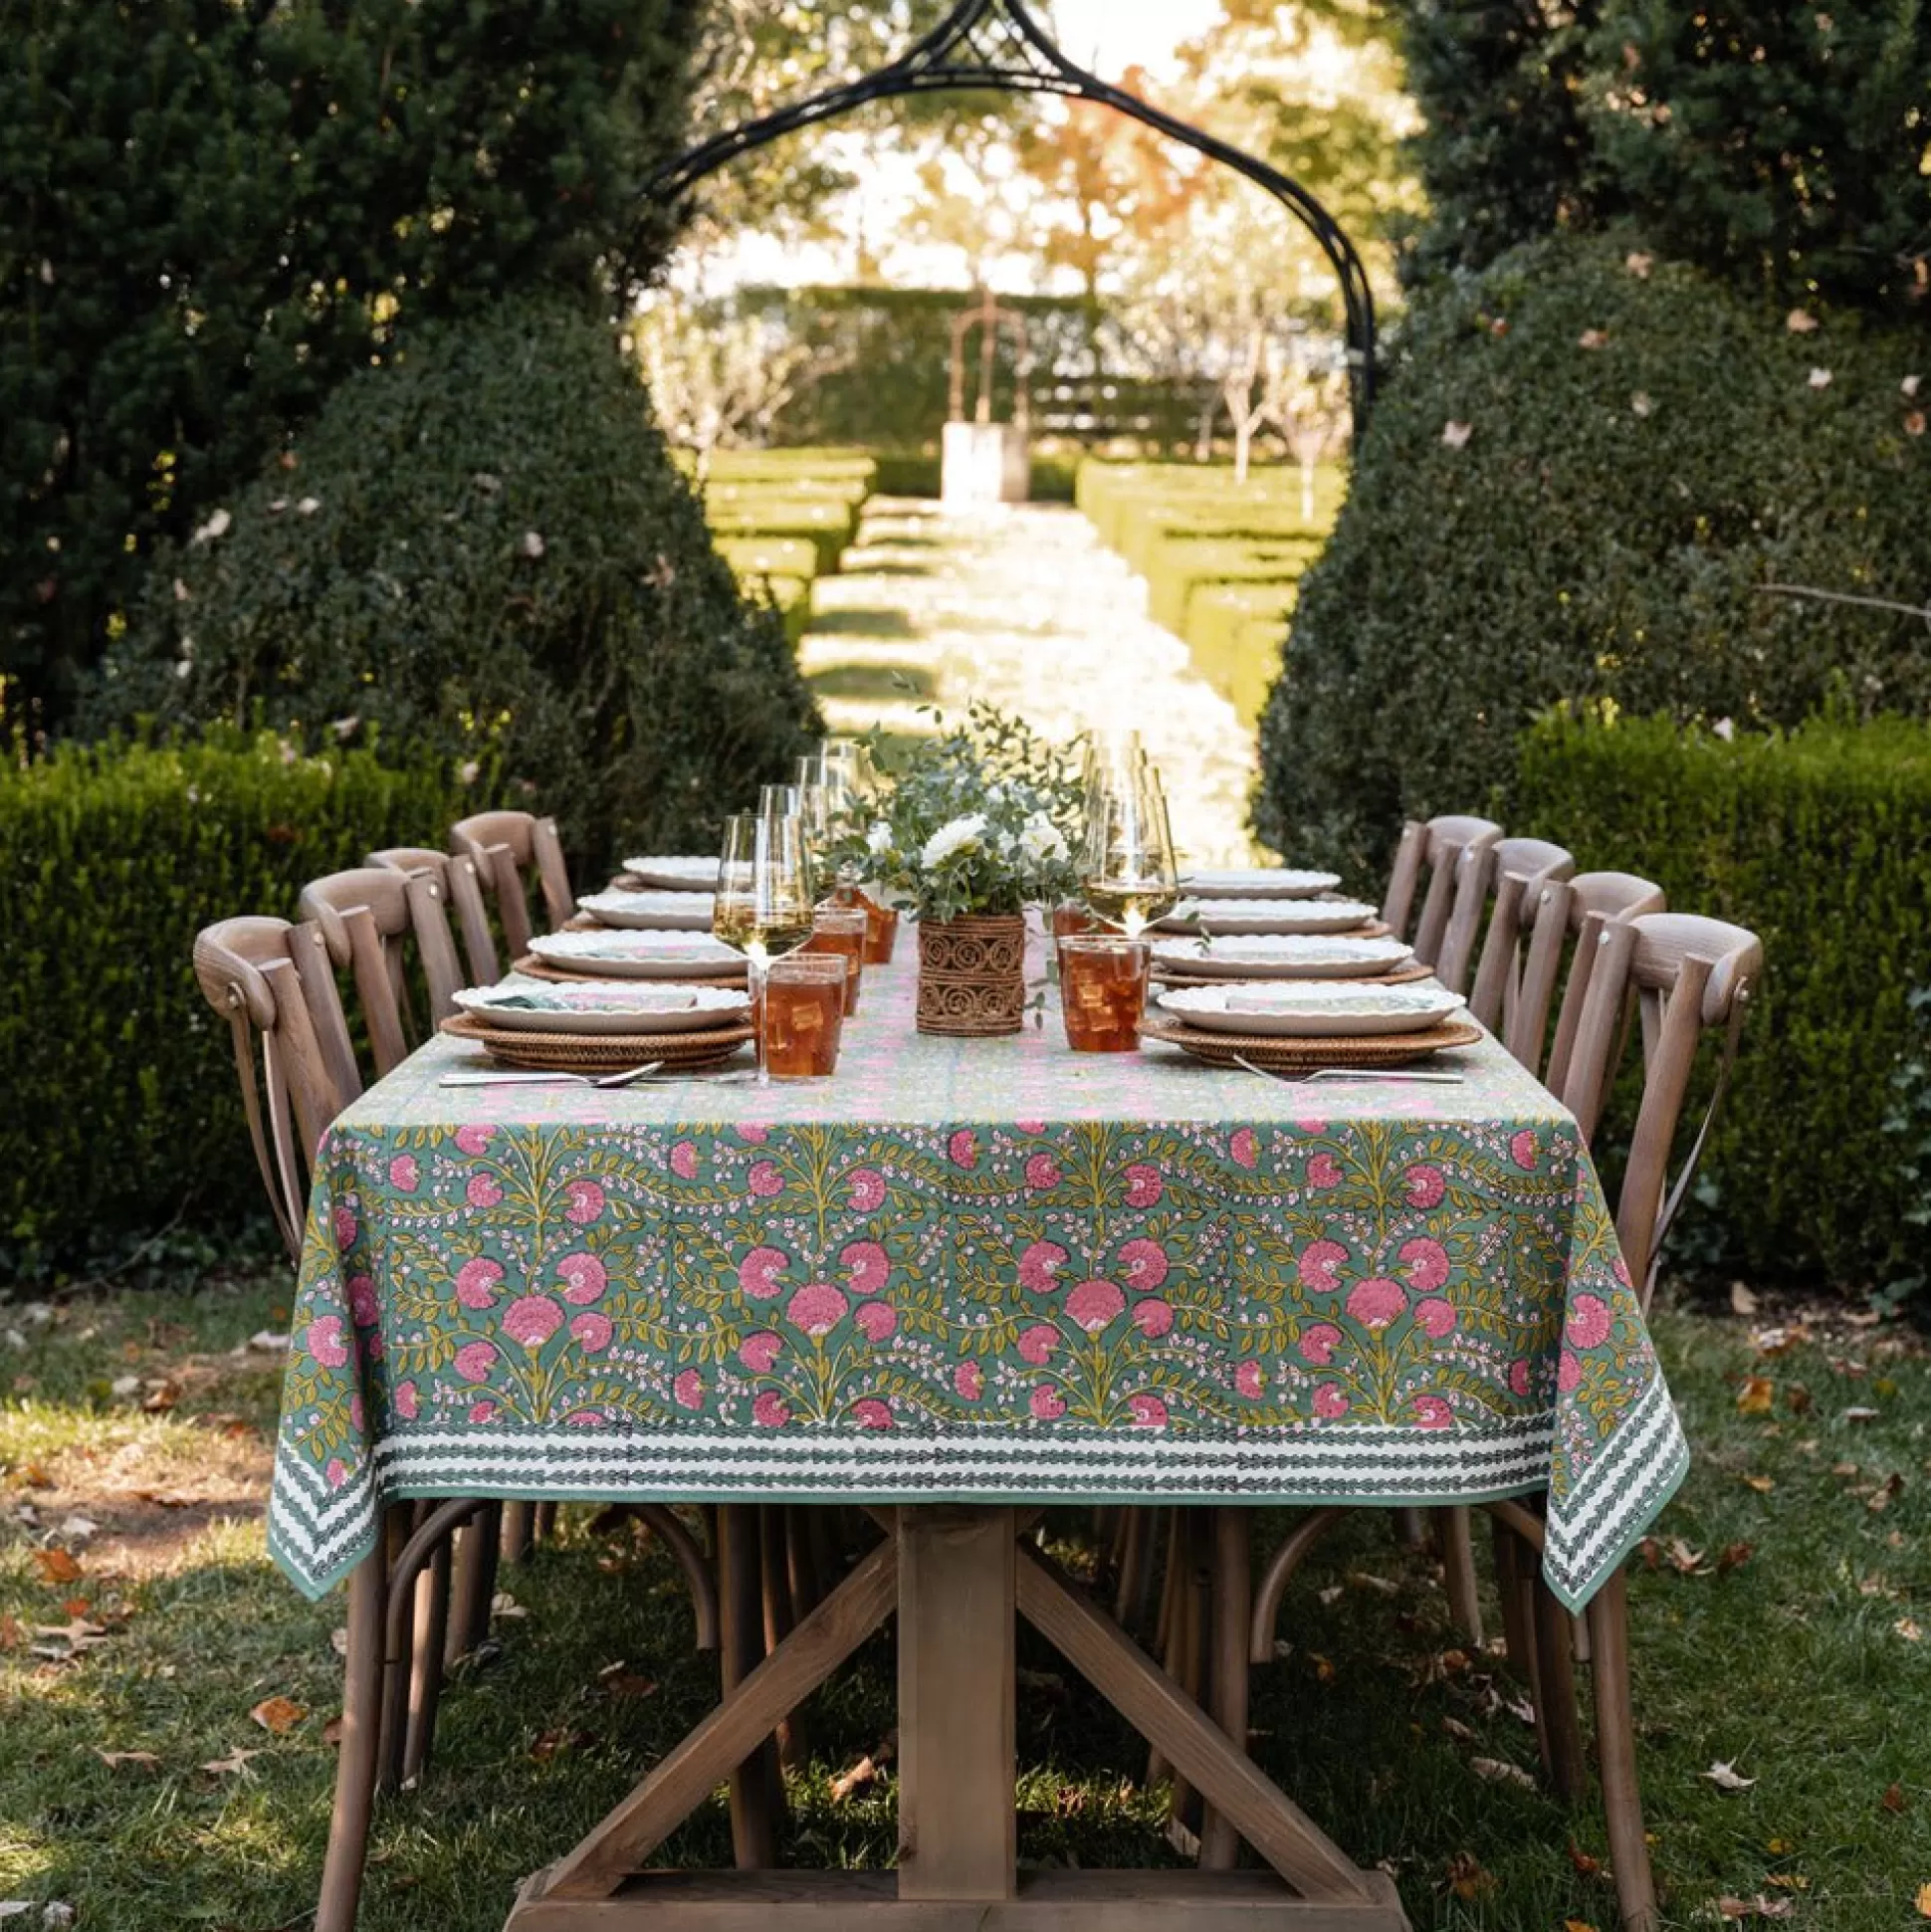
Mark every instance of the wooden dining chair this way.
pixel 1524 870
pixel 508 849
pixel 1453 851
pixel 461 888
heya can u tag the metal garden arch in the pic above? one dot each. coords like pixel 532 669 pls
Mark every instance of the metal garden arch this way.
pixel 997 45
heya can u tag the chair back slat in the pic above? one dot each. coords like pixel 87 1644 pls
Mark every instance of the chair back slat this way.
pixel 309 945
pixel 1567 907
pixel 554 874
pixel 365 918
pixel 1455 893
pixel 442 971
pixel 513 850
pixel 1397 900
pixel 462 897
pixel 1517 870
pixel 1498 970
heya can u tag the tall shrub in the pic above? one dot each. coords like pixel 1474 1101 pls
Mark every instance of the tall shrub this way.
pixel 1588 470
pixel 483 550
pixel 212 213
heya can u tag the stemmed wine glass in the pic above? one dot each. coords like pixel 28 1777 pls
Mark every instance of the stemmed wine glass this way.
pixel 1128 874
pixel 763 903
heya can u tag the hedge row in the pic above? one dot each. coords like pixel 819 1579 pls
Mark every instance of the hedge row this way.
pixel 122 1115
pixel 1814 841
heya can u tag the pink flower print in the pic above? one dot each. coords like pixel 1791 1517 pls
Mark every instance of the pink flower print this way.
pixel 771 1410
pixel 1046 1402
pixel 587 1202
pixel 764 1180
pixel 1030 1127
pixel 357 1414
pixel 1319 1260
pixel 1523 1150
pixel 1620 1269
pixel 484 1412
pixel 1375 1303
pixel 751 1133
pixel 1432 1412
pixel 324 1341
pixel 476 1282
pixel 346 1228
pixel 867 1189
pixel 1038 1343
pixel 372 1345
pixel 1424 1185
pixel 532 1320
pixel 1324 1170
pixel 1588 1322
pixel 474 1139
pixel 817 1308
pixel 1435 1317
pixel 968 1380
pixel 482 1191
pixel 1330 1404
pixel 870 1266
pixel 363 1309
pixel 1042 1172
pixel 1154 1317
pixel 1039 1265
pixel 1144 1264
pixel 585 1419
pixel 1250 1379
pixel 759 1352
pixel 1569 1372
pixel 1519 1376
pixel 1425 1261
pixel 876 1320
pixel 1094 1304
pixel 758 1272
pixel 1317 1343
pixel 475 1360
pixel 337 1473
pixel 962 1149
pixel 1144 1186
pixel 406 1402
pixel 1243 1149
pixel 404 1175
pixel 585 1275
pixel 683 1160
pixel 1309 1125
pixel 591 1332
pixel 871 1414
pixel 687 1389
pixel 1149 1411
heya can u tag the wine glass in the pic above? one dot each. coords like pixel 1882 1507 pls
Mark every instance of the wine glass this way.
pixel 1129 872
pixel 763 902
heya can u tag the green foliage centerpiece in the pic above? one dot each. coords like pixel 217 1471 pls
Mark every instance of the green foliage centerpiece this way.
pixel 974 824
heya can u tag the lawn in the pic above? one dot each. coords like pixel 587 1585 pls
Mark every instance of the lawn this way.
pixel 1776 1619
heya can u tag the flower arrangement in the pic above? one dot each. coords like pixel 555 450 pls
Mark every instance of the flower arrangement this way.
pixel 981 818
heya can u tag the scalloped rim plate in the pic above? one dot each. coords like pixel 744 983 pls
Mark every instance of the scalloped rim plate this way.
pixel 1258 881
pixel 598 1007
pixel 1312 1010
pixel 1278 916
pixel 657 955
pixel 675 871
pixel 688 912
pixel 1285 956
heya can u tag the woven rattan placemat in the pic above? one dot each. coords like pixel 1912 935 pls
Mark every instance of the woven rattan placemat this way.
pixel 1286 1053
pixel 598 1052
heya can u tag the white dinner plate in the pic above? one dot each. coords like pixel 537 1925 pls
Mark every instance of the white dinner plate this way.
pixel 1258 881
pixel 688 912
pixel 602 1006
pixel 1312 1009
pixel 1284 955
pixel 639 955
pixel 675 871
pixel 1268 915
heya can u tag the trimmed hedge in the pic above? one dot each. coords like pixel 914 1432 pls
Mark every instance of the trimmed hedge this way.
pixel 1577 483
pixel 1814 841
pixel 123 1114
pixel 486 551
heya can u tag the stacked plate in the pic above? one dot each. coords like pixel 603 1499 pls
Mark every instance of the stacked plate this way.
pixel 674 872
pixel 687 912
pixel 1252 915
pixel 602 1026
pixel 1297 1026
pixel 1258 881
pixel 1281 956
pixel 657 955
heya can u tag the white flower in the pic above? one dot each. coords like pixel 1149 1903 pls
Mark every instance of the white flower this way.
pixel 879 838
pixel 959 835
pixel 218 525
pixel 1042 841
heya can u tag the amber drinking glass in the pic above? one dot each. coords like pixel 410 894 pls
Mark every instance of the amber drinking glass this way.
pixel 842 930
pixel 801 1016
pixel 1103 990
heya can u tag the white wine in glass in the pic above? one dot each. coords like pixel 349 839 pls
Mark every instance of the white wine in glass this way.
pixel 1130 878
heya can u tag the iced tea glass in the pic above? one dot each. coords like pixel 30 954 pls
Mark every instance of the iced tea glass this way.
pixel 842 930
pixel 1103 990
pixel 803 1015
pixel 881 924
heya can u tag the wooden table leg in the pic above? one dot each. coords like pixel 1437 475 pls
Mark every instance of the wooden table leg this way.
pixel 957 1755
pixel 754 1822
pixel 1233 1588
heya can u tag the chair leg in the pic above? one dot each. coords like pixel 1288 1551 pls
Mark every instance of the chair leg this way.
pixel 754 1822
pixel 1458 1573
pixel 801 1564
pixel 774 1576
pixel 518 1530
pixel 1517 1632
pixel 1136 1570
pixel 1555 1695
pixel 474 1584
pixel 397 1634
pixel 1167 1621
pixel 426 1667
pixel 544 1522
pixel 1232 1591
pixel 1616 1745
pixel 348 1823
pixel 1190 1637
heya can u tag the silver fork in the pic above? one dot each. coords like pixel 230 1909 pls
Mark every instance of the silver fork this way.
pixel 1353 1073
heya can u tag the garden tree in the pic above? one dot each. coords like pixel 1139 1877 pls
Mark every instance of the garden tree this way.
pixel 212 213
pixel 1308 403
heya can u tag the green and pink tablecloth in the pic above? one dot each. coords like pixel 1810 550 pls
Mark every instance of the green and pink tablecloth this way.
pixel 974 1271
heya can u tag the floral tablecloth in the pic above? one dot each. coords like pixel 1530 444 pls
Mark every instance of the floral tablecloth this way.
pixel 969 1271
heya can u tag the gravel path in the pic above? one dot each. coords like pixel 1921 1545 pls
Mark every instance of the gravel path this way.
pixel 1023 606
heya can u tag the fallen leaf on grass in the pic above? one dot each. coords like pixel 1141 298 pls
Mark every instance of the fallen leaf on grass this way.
pixel 859 1779
pixel 1639 264
pixel 1923 1901
pixel 1860 1414
pixel 1456 435
pixel 1457 1730
pixel 277 1716
pixel 1592 338
pixel 549 1743
pixel 1588 1867
pixel 1907 1629
pixel 1497 1771
pixel 1330 1596
pixel 1725 1778
pixel 619 1680
pixel 56 1567
pixel 1466 1878
pixel 1894 1798
pixel 1762 1485
pixel 135 1759
pixel 1788 1881
pixel 1366 1580
pixel 1757 1397
pixel 1800 321
pixel 1323 1670
pixel 1758 1907
pixel 1733 1557
pixel 1742 1301
pixel 79 1636
pixel 77 1529
pixel 1881 1497
pixel 1578 1925
pixel 234 1765
pixel 12 1635
pixel 503 1605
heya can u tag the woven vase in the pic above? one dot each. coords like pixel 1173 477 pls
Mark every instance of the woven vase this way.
pixel 972 975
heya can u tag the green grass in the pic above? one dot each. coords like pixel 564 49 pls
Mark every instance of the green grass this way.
pixel 1790 1664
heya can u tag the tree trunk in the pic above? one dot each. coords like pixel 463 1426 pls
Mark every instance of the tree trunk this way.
pixel 1307 489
